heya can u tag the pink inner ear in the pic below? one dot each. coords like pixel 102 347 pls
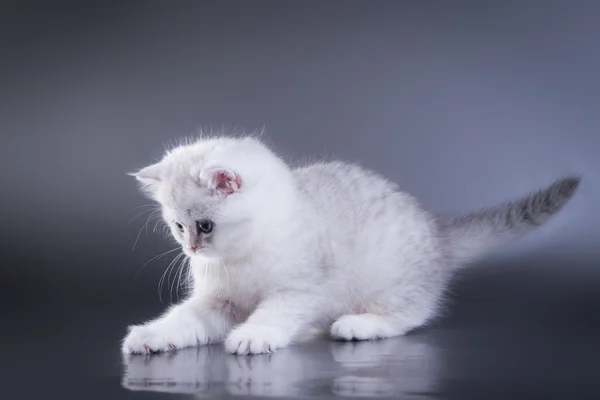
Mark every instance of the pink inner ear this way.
pixel 226 181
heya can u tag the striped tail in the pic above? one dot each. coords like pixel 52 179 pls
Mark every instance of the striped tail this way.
pixel 472 235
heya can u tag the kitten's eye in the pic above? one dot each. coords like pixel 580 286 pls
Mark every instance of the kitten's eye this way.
pixel 205 226
pixel 179 226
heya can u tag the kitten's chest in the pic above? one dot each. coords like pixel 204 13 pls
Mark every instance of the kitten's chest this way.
pixel 241 288
pixel 244 290
pixel 241 299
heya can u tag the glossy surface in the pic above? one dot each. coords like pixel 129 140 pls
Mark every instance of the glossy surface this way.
pixel 507 333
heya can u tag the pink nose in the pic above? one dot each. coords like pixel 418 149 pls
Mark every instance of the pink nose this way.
pixel 193 248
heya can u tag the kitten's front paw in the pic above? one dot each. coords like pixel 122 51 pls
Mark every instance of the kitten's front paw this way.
pixel 256 339
pixel 156 337
pixel 147 339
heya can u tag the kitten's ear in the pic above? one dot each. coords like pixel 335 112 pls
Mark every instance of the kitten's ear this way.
pixel 149 177
pixel 221 180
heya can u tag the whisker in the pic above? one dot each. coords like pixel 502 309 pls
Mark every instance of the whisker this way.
pixel 189 277
pixel 205 273
pixel 173 266
pixel 218 274
pixel 154 258
pixel 162 278
pixel 162 254
pixel 159 221
pixel 222 264
pixel 142 228
pixel 186 278
pixel 150 219
pixel 179 280
pixel 134 218
pixel 178 276
pixel 169 282
pixel 144 205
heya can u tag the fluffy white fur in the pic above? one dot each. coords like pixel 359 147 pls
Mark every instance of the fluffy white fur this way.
pixel 329 244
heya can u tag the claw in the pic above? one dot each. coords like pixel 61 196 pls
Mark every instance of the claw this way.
pixel 148 350
pixel 172 346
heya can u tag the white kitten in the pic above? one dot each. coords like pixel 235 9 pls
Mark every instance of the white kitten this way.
pixel 274 251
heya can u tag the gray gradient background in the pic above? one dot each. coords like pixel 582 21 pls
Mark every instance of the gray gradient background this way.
pixel 464 105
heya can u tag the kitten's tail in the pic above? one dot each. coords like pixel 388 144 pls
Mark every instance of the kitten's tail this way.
pixel 470 236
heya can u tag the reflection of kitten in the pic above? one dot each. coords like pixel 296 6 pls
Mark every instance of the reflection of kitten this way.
pixel 403 367
pixel 274 250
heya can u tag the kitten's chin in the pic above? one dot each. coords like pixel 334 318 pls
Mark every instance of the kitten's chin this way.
pixel 203 254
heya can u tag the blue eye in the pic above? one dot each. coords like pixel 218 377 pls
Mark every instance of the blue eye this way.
pixel 205 226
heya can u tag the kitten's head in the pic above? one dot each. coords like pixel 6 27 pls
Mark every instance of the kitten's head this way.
pixel 217 195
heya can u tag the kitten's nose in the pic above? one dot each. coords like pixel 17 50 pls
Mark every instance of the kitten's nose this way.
pixel 191 243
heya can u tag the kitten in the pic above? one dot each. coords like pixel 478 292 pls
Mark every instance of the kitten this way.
pixel 275 251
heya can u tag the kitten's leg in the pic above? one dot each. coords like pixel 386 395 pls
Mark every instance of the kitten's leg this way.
pixel 194 322
pixel 274 324
pixel 388 316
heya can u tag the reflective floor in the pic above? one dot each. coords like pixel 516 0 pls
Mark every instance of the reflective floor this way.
pixel 505 335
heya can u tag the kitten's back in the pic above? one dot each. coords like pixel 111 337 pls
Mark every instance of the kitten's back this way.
pixel 363 215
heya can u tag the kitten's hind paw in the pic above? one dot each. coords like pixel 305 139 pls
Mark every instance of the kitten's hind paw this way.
pixel 357 327
pixel 369 326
